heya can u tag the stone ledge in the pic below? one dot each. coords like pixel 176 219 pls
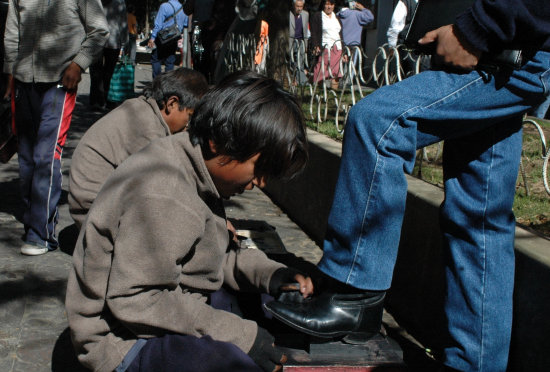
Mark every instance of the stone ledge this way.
pixel 417 288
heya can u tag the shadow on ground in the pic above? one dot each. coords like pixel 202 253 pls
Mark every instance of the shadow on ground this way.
pixel 63 356
pixel 67 239
pixel 25 284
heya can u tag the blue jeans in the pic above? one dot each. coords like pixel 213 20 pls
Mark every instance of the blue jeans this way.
pixel 43 115
pixel 542 109
pixel 160 57
pixel 479 116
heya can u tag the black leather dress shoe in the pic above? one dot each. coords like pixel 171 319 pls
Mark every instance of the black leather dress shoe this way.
pixel 355 317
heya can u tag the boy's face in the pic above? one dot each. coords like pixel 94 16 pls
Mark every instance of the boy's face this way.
pixel 178 119
pixel 233 177
pixel 175 118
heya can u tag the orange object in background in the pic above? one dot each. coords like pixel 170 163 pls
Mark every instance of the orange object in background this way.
pixel 259 58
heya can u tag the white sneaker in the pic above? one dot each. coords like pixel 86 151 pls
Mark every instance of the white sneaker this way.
pixel 29 249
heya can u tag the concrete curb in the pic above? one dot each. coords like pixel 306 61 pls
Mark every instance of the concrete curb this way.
pixel 417 290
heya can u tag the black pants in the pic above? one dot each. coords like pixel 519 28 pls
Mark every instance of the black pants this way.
pixel 189 353
pixel 101 73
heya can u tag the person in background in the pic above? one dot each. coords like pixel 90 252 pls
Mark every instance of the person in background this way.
pixel 169 12
pixel 353 20
pixel 61 39
pixel 154 246
pixel 298 37
pixel 478 111
pixel 326 42
pixel 298 23
pixel 164 109
pixel 399 26
pixel 131 47
pixel 101 71
pixel 400 21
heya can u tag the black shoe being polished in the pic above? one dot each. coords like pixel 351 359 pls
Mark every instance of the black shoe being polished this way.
pixel 356 317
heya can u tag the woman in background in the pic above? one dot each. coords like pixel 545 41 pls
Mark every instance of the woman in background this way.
pixel 326 37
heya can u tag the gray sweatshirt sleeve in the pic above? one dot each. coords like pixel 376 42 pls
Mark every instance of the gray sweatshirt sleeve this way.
pixel 249 270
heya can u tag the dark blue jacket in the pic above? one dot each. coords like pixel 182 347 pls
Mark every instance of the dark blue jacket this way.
pixel 492 25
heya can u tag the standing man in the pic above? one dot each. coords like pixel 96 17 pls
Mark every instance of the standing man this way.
pixel 101 71
pixel 60 39
pixel 169 12
pixel 298 35
pixel 479 113
pixel 298 27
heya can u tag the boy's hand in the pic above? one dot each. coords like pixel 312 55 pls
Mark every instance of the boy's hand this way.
pixel 264 352
pixel 450 49
pixel 306 285
pixel 288 279
pixel 232 231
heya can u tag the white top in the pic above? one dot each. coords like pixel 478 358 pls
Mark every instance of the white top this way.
pixel 397 23
pixel 331 30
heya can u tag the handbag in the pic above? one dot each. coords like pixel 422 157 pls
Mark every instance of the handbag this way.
pixel 171 33
pixel 122 82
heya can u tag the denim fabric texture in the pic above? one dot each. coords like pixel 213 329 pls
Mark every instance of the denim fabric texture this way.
pixel 479 115
pixel 158 58
pixel 43 115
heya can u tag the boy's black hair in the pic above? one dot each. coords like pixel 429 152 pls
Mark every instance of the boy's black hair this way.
pixel 247 114
pixel 186 84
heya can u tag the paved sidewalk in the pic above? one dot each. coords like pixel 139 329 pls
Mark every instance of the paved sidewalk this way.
pixel 33 325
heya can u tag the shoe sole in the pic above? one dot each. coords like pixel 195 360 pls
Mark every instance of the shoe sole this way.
pixel 33 251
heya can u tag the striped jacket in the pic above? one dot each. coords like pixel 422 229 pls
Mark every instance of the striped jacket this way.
pixel 43 37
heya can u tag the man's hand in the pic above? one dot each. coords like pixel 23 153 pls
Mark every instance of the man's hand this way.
pixel 151 43
pixel 72 76
pixel 359 6
pixel 451 50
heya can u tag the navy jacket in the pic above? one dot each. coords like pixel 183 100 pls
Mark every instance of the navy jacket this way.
pixel 493 25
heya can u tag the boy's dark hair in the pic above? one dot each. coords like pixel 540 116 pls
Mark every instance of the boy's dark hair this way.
pixel 247 114
pixel 186 84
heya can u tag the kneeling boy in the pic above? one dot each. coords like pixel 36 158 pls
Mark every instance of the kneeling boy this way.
pixel 164 109
pixel 155 243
